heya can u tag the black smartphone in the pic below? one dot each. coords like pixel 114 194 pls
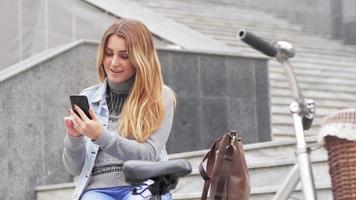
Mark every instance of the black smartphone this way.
pixel 82 102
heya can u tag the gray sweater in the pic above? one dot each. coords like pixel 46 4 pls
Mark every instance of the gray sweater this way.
pixel 107 171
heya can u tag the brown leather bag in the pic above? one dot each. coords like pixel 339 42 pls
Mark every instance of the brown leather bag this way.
pixel 226 170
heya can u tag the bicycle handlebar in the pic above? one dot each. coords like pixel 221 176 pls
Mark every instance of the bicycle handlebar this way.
pixel 257 43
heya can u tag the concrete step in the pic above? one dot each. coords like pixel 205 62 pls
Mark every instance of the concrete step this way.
pixel 178 9
pixel 312 86
pixel 315 72
pixel 269 170
pixel 320 111
pixel 312 79
pixel 216 23
pixel 325 103
pixel 269 30
pixel 287 119
pixel 304 48
pixel 174 11
pixel 55 192
pixel 313 60
pixel 255 153
pixel 326 73
pixel 323 192
pixel 336 95
pixel 299 66
pixel 305 54
pixel 260 177
pixel 286 131
pixel 272 30
pixel 269 164
pixel 266 27
pixel 303 62
pixel 271 33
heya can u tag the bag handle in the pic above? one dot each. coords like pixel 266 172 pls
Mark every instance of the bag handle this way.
pixel 210 156
pixel 202 171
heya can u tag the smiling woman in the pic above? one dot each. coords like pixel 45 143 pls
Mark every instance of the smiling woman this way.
pixel 131 110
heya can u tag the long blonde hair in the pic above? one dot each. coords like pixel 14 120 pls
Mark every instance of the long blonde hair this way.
pixel 143 110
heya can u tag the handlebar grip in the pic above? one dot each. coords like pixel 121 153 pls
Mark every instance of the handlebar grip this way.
pixel 257 43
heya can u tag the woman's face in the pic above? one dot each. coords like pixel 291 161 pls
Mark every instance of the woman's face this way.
pixel 116 61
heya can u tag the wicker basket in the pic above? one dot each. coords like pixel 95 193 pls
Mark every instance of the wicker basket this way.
pixel 339 132
pixel 342 167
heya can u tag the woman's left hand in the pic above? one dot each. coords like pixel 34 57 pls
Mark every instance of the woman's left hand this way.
pixel 91 128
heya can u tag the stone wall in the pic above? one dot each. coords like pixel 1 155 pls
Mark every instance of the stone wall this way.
pixel 216 93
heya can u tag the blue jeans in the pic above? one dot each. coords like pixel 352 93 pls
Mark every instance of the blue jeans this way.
pixel 121 193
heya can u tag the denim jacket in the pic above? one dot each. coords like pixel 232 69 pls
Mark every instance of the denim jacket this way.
pixel 80 152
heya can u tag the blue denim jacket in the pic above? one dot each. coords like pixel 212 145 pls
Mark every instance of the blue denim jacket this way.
pixel 97 99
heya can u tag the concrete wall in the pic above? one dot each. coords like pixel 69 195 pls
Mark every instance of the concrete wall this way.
pixel 215 92
pixel 33 105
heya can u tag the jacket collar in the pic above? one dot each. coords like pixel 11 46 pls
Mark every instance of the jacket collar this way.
pixel 100 93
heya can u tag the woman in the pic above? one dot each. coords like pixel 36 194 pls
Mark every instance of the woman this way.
pixel 131 110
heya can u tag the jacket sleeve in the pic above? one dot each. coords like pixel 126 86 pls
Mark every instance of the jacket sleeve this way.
pixel 126 149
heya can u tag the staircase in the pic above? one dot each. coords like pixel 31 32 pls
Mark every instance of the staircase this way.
pixel 326 72
pixel 262 158
pixel 325 68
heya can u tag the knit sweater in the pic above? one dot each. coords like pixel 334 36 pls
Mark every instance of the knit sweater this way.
pixel 107 171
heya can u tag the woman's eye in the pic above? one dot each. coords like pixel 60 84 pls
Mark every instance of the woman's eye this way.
pixel 124 56
pixel 108 53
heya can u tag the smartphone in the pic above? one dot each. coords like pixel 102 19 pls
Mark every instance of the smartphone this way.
pixel 82 102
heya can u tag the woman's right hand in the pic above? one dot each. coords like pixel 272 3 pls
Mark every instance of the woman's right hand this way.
pixel 68 123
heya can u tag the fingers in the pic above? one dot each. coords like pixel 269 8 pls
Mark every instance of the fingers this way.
pixel 92 114
pixel 70 126
pixel 80 122
pixel 68 122
pixel 81 113
pixel 77 121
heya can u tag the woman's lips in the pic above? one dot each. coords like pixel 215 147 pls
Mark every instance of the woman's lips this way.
pixel 116 71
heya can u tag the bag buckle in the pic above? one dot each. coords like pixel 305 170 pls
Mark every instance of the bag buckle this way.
pixel 233 135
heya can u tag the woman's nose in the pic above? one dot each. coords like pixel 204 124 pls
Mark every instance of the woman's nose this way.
pixel 115 61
